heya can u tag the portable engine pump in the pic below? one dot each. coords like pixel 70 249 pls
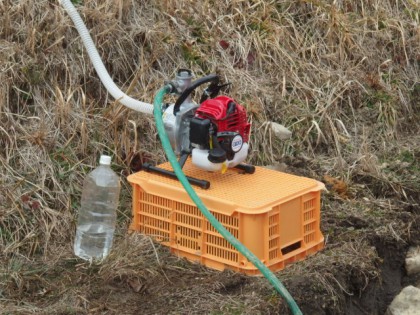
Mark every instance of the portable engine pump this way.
pixel 215 132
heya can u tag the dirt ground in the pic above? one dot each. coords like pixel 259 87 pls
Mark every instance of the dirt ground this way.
pixel 343 76
pixel 360 270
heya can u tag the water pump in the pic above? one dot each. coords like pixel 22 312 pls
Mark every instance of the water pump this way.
pixel 215 132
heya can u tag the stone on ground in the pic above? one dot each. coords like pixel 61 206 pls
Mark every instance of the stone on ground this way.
pixel 280 131
pixel 406 303
pixel 412 261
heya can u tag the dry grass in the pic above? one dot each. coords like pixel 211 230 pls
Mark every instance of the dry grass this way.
pixel 342 75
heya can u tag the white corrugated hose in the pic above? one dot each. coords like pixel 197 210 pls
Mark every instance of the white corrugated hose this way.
pixel 103 74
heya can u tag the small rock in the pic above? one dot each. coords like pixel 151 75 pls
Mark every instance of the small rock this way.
pixel 412 261
pixel 280 131
pixel 405 303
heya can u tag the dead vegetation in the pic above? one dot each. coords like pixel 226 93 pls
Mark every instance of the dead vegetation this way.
pixel 342 75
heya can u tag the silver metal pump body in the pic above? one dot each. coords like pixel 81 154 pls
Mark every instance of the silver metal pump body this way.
pixel 178 126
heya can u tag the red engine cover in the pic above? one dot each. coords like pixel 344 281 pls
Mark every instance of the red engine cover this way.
pixel 216 109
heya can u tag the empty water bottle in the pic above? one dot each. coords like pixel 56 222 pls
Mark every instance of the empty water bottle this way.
pixel 97 215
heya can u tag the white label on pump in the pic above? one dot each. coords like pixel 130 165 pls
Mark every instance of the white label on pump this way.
pixel 237 143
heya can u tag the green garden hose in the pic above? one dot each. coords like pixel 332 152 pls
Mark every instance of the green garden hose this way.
pixel 216 224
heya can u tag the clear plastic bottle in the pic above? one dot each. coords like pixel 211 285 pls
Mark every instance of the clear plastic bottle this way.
pixel 97 215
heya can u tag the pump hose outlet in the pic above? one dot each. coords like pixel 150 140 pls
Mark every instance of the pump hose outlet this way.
pixel 199 203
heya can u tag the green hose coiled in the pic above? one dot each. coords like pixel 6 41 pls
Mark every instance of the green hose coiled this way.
pixel 216 224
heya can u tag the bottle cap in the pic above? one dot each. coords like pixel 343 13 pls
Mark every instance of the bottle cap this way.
pixel 105 160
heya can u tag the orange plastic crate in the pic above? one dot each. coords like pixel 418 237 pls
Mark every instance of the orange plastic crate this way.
pixel 275 215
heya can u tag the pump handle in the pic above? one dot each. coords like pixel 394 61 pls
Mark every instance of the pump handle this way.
pixel 209 78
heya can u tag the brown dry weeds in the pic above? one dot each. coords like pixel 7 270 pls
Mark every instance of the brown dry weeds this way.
pixel 342 75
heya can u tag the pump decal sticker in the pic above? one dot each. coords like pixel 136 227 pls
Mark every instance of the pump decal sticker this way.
pixel 237 143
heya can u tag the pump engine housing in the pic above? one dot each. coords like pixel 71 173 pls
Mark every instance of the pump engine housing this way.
pixel 219 134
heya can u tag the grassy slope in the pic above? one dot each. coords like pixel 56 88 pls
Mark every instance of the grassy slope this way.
pixel 344 77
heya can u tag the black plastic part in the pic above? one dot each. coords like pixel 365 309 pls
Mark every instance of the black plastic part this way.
pixel 225 139
pixel 249 169
pixel 212 91
pixel 193 181
pixel 192 87
pixel 183 158
pixel 217 154
pixel 231 108
pixel 199 131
